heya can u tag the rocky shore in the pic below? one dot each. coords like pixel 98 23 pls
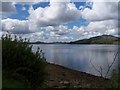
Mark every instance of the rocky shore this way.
pixel 61 77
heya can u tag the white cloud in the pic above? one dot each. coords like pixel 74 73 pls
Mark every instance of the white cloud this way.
pixel 103 17
pixel 57 30
pixel 47 24
pixel 55 14
pixel 61 33
pixel 8 7
pixel 15 26
pixel 104 27
pixel 101 11
pixel 24 8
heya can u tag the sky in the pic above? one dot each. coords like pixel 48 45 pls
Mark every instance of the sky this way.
pixel 57 21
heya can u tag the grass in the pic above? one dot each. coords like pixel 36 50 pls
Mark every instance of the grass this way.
pixel 13 81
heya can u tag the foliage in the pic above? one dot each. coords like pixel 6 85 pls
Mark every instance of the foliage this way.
pixel 19 60
pixel 115 79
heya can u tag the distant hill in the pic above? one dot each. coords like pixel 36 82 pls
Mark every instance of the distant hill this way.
pixel 38 42
pixel 104 39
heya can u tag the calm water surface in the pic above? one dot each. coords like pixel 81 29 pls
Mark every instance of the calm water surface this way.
pixel 81 57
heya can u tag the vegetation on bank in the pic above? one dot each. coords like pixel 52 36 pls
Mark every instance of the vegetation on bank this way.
pixel 115 79
pixel 20 66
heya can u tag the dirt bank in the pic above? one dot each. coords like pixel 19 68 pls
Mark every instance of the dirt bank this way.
pixel 61 77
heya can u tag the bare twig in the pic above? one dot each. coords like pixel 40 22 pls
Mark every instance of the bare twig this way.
pixel 109 66
pixel 100 72
pixel 115 56
pixel 108 63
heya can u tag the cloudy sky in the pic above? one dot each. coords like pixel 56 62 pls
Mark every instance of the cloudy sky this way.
pixel 57 21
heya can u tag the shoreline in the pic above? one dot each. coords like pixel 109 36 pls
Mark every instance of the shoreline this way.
pixel 62 77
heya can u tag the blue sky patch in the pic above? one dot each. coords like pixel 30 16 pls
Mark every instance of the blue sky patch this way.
pixel 20 13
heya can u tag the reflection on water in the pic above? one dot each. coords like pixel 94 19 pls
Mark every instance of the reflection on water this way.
pixel 78 57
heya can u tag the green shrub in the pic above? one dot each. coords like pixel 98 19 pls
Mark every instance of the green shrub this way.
pixel 115 79
pixel 19 60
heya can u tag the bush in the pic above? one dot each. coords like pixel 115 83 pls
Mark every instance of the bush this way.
pixel 115 79
pixel 20 62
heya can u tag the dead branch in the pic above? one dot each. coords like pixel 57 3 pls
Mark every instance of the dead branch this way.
pixel 115 56
pixel 109 66
pixel 100 72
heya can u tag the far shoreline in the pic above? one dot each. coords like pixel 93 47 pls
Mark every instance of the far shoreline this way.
pixel 70 44
pixel 103 39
